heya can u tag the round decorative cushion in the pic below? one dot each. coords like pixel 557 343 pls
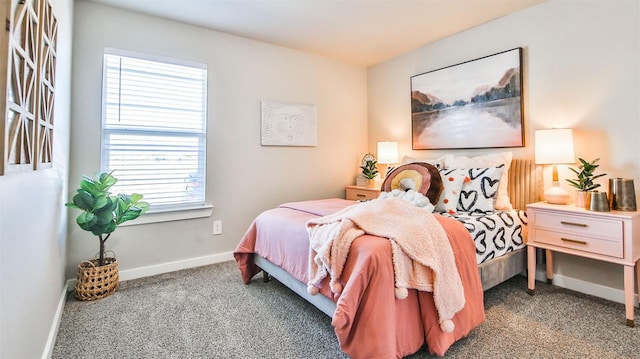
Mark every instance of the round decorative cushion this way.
pixel 419 176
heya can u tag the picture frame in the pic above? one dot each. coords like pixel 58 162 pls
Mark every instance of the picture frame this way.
pixel 474 104
pixel 287 124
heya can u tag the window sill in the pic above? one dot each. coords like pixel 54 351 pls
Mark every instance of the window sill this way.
pixel 173 215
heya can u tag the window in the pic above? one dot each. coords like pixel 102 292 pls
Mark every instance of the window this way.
pixel 154 129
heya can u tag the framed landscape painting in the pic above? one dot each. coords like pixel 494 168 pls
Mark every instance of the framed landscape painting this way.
pixel 475 104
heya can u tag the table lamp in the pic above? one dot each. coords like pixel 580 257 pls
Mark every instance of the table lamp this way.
pixel 555 147
pixel 387 154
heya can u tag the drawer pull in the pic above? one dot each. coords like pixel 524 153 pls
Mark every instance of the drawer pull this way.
pixel 360 195
pixel 574 224
pixel 573 241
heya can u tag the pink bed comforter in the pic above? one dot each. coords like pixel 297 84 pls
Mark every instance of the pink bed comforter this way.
pixel 369 321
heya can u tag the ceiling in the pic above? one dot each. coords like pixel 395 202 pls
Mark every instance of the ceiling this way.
pixel 362 32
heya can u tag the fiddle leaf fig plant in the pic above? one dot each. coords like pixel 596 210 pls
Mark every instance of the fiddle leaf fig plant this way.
pixel 585 175
pixel 102 212
pixel 370 169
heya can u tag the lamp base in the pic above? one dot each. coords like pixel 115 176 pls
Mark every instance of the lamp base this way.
pixel 556 195
pixel 382 169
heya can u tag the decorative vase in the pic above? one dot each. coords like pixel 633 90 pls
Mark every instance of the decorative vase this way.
pixel 371 183
pixel 96 282
pixel 623 194
pixel 597 201
pixel 581 199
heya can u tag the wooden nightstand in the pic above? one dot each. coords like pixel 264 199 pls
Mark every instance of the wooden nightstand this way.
pixel 357 193
pixel 607 236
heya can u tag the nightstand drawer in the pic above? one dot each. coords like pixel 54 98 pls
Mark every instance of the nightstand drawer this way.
pixel 580 225
pixel 611 246
pixel 355 193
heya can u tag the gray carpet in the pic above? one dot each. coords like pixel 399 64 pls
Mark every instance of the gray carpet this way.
pixel 207 312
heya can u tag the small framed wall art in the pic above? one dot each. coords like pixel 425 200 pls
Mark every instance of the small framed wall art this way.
pixel 285 124
pixel 474 104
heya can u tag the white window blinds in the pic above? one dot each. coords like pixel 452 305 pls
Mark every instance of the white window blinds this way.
pixel 154 130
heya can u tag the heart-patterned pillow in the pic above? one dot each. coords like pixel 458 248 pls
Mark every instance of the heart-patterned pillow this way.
pixel 468 200
pixel 452 186
pixel 479 189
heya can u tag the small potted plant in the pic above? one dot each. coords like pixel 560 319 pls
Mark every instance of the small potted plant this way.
pixel 101 214
pixel 584 180
pixel 370 171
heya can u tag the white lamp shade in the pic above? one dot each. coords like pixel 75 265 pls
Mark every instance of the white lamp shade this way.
pixel 387 152
pixel 554 146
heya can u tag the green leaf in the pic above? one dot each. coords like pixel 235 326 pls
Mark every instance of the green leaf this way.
pixel 87 186
pixel 101 202
pixel 122 205
pixel 86 219
pixel 573 183
pixel 107 209
pixel 132 213
pixel 84 200
pixel 107 180
pixel 110 227
pixel 85 227
pixel 144 207
pixel 105 216
pixel 136 197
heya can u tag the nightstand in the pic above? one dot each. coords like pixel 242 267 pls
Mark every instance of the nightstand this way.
pixel 358 193
pixel 607 236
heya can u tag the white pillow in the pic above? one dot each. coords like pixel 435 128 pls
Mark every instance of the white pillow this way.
pixel 503 202
pixel 437 162
pixel 479 188
pixel 452 185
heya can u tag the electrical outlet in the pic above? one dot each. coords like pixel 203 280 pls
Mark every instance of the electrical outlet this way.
pixel 217 227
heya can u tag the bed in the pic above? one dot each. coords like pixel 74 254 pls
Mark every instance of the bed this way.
pixel 367 315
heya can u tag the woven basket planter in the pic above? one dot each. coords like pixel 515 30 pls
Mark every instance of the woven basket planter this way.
pixel 96 282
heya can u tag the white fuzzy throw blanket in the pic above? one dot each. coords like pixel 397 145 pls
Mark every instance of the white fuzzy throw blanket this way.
pixel 422 255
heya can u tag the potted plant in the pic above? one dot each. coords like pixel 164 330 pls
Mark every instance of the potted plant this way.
pixel 101 214
pixel 584 180
pixel 370 171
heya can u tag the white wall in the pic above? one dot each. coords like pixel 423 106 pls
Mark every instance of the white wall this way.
pixel 33 228
pixel 244 178
pixel 581 68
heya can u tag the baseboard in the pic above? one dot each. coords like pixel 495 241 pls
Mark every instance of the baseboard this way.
pixel 161 268
pixel 55 324
pixel 156 269
pixel 596 290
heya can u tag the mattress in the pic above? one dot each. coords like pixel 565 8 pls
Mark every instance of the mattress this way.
pixel 494 234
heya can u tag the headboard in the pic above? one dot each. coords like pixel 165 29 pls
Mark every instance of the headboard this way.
pixel 525 183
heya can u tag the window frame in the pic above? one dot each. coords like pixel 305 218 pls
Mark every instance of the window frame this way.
pixel 167 212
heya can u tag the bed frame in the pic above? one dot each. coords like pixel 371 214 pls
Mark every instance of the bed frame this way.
pixel 525 186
